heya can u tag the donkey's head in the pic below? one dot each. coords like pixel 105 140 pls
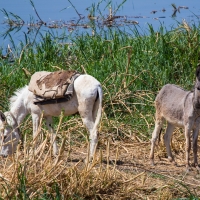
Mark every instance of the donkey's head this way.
pixel 9 134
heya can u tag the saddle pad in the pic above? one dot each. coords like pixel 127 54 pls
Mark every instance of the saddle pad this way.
pixel 52 85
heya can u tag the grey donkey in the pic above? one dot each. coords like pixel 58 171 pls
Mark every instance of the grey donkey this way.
pixel 180 108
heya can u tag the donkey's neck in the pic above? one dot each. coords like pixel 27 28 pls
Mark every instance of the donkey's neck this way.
pixel 19 111
pixel 18 107
pixel 196 99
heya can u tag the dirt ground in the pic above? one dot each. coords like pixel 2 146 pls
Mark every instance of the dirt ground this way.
pixel 165 180
pixel 125 161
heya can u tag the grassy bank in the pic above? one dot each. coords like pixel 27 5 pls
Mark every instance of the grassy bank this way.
pixel 132 67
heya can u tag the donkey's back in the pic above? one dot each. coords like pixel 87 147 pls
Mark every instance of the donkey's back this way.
pixel 171 103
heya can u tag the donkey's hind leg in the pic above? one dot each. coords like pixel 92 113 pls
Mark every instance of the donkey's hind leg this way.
pixel 167 140
pixel 86 114
pixel 155 135
pixel 187 146
pixel 36 128
pixel 89 124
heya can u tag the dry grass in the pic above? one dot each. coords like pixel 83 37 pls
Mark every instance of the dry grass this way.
pixel 120 170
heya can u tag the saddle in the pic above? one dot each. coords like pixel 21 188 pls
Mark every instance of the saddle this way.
pixel 52 87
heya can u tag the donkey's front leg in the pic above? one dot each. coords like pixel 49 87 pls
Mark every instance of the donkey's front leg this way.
pixel 194 143
pixel 49 124
pixel 36 121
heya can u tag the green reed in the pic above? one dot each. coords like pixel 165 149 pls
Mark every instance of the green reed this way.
pixel 127 65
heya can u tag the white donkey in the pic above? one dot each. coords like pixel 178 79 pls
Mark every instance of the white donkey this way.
pixel 179 108
pixel 87 101
pixel 9 134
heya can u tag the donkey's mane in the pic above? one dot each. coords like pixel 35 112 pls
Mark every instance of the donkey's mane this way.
pixel 17 94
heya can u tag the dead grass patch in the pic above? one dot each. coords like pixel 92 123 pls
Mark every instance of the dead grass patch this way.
pixel 120 170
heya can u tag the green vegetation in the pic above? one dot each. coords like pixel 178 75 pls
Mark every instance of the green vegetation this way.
pixel 132 67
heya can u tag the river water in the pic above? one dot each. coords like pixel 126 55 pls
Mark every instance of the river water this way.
pixel 64 14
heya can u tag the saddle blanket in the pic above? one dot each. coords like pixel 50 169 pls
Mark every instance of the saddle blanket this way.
pixel 52 87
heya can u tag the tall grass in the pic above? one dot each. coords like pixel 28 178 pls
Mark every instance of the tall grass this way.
pixel 132 67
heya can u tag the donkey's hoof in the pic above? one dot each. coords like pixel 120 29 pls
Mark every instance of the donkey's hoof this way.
pixel 152 163
pixel 54 155
pixel 88 161
pixel 198 168
pixel 188 169
pixel 171 159
pixel 174 163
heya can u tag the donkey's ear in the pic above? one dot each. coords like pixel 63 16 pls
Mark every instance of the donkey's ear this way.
pixel 198 72
pixel 2 117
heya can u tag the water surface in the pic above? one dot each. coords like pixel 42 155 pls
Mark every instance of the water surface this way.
pixel 133 13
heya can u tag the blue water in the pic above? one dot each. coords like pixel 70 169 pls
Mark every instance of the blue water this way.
pixel 142 12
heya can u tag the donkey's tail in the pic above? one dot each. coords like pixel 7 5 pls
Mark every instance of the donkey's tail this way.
pixel 99 111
